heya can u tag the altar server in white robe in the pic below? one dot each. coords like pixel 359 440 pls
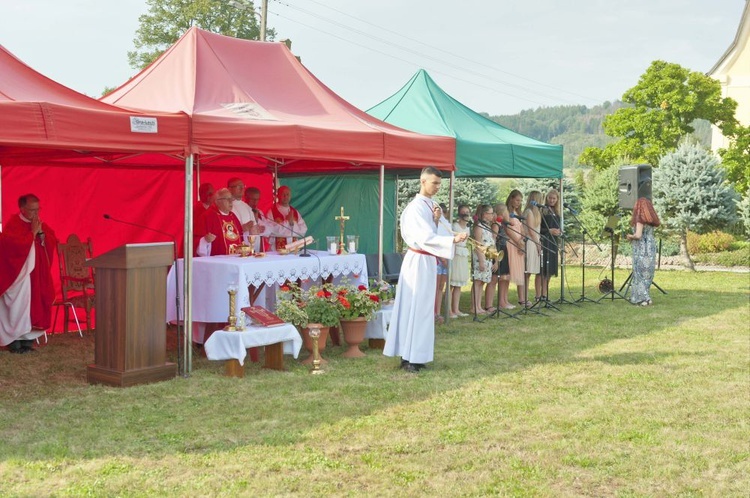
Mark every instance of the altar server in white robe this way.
pixel 411 334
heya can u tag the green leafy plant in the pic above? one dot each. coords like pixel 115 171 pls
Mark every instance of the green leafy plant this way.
pixel 322 306
pixel 357 301
pixel 318 304
pixel 289 305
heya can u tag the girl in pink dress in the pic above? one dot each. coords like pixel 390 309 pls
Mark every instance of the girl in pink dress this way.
pixel 515 244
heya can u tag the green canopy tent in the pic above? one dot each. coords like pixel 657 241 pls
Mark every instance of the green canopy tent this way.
pixel 483 149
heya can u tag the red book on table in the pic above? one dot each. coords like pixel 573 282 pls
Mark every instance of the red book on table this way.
pixel 261 316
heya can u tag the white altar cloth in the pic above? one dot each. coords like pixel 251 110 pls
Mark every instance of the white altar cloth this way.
pixel 213 274
pixel 224 345
pixel 377 328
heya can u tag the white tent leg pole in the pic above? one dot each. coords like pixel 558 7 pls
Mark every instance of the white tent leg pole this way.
pixel 187 270
pixel 381 222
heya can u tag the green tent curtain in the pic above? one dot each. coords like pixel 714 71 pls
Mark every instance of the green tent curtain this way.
pixel 319 200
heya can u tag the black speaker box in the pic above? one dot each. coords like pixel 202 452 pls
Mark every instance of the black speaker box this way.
pixel 635 182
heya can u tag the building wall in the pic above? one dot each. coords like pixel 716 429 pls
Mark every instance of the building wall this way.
pixel 733 72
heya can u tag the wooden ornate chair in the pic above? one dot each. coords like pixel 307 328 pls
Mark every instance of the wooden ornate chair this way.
pixel 76 279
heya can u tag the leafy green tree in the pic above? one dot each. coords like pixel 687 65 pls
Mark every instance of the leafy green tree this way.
pixel 600 201
pixel 167 20
pixel 664 105
pixel 743 210
pixel 736 159
pixel 691 192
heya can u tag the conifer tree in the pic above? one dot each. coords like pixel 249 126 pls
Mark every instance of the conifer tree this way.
pixel 690 192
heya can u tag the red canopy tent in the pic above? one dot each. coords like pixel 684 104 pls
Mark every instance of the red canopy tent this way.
pixel 254 105
pixel 44 125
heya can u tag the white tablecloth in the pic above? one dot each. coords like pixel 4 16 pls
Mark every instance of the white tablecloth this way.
pixel 212 275
pixel 233 345
pixel 377 328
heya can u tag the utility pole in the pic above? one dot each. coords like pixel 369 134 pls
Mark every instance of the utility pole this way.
pixel 240 4
pixel 263 17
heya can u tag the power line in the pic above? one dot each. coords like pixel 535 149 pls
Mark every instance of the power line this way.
pixel 442 61
pixel 493 89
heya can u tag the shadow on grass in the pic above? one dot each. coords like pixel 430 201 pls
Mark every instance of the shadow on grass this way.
pixel 49 412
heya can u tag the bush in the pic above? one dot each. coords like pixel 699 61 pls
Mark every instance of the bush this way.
pixel 716 241
pixel 739 257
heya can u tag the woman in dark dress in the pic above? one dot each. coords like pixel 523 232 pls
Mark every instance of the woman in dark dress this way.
pixel 550 230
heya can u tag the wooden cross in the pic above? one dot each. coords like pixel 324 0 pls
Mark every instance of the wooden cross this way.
pixel 342 220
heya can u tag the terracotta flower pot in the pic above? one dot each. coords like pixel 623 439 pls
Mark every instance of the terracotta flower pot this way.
pixel 354 334
pixel 308 343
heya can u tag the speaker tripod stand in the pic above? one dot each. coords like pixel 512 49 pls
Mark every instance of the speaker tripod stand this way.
pixel 612 293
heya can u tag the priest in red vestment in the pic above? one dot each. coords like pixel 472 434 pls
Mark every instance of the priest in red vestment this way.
pixel 18 233
pixel 218 231
pixel 288 223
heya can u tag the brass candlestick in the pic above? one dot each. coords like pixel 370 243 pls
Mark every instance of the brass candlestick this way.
pixel 231 319
pixel 314 335
pixel 342 219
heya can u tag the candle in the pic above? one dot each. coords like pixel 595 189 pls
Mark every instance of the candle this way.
pixel 332 249
pixel 352 246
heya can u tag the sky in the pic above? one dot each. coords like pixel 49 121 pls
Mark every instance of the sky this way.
pixel 495 56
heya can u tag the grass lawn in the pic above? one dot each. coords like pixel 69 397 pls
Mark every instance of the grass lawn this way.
pixel 603 399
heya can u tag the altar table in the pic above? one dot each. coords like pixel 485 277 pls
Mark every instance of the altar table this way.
pixel 213 274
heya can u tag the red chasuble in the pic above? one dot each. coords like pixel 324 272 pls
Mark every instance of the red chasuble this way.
pixel 280 219
pixel 226 227
pixel 42 289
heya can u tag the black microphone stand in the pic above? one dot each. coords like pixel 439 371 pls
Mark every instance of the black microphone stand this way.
pixel 565 242
pixel 525 308
pixel 304 253
pixel 583 298
pixel 532 229
pixel 498 310
pixel 180 366
pixel 612 292
pixel 548 243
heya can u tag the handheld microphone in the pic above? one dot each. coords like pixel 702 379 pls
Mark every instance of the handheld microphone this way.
pixel 566 205
pixel 144 227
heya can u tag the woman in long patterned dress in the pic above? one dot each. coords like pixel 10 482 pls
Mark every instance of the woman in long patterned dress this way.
pixel 643 221
pixel 550 231
pixel 460 262
pixel 533 246
pixel 483 267
pixel 515 244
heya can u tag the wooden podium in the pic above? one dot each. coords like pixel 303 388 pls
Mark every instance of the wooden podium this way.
pixel 130 315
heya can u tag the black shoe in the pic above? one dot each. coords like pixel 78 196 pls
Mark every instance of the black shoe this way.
pixel 404 363
pixel 419 366
pixel 27 349
pixel 411 368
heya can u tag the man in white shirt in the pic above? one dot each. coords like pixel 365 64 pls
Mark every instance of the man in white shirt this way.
pixel 262 224
pixel 240 208
pixel 411 334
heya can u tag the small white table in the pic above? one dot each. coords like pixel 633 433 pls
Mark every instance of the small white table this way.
pixel 377 328
pixel 233 346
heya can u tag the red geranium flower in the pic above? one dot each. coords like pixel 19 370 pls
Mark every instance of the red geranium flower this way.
pixel 375 298
pixel 285 288
pixel 327 293
pixel 344 303
pixel 362 287
pixel 321 294
pixel 343 292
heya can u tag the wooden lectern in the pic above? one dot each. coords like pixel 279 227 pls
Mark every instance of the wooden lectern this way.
pixel 130 315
